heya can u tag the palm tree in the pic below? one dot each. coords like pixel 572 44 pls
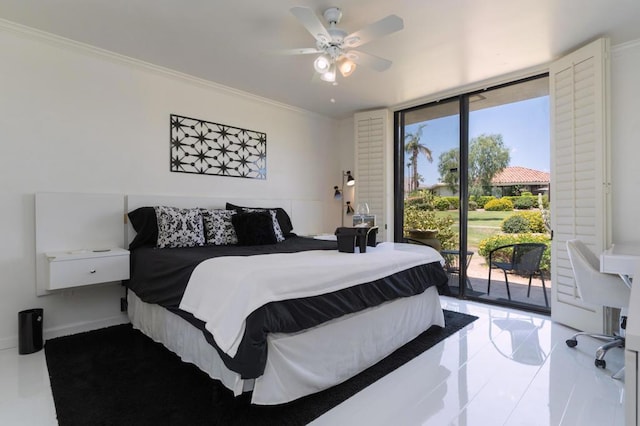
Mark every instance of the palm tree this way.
pixel 415 148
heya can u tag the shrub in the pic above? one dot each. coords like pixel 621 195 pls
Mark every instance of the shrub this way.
pixel 526 221
pixel 454 202
pixel 423 206
pixel 484 199
pixel 441 204
pixel 524 203
pixel 536 222
pixel 413 201
pixel 496 241
pixel 499 204
pixel 545 201
pixel 415 218
pixel 473 205
pixel 515 224
pixel 421 197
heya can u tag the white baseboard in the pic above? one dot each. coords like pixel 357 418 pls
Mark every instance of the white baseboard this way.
pixel 8 342
pixel 81 327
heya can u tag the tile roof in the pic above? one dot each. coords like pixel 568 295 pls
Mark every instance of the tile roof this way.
pixel 520 175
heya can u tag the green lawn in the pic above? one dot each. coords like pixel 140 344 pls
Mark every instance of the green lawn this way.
pixel 482 224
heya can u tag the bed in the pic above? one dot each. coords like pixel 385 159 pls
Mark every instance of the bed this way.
pixel 281 319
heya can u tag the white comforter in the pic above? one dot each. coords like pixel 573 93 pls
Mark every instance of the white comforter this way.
pixel 223 291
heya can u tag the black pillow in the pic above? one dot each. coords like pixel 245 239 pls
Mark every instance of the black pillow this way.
pixel 145 223
pixel 281 215
pixel 254 229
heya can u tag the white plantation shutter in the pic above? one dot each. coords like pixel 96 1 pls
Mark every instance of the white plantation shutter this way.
pixel 579 170
pixel 373 156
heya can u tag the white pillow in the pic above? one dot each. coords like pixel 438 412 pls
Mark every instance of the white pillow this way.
pixel 179 227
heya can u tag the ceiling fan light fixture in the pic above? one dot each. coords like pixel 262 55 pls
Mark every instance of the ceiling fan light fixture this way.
pixel 322 64
pixel 329 75
pixel 346 67
pixel 334 44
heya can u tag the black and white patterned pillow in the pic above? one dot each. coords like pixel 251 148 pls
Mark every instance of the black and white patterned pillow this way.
pixel 179 227
pixel 276 225
pixel 218 228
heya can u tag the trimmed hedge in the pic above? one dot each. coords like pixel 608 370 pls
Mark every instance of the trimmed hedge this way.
pixel 441 204
pixel 499 205
pixel 524 221
pixel 515 224
pixel 454 202
pixel 482 200
pixel 524 203
pixel 496 241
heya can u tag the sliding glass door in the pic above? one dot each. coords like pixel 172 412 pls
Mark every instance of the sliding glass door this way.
pixel 431 139
pixel 472 175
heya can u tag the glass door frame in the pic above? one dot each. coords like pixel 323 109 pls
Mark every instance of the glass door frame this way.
pixel 399 178
pixel 463 211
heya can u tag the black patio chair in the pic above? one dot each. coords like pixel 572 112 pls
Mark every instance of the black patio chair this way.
pixel 442 289
pixel 522 259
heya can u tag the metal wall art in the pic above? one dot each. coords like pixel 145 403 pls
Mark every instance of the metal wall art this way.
pixel 203 147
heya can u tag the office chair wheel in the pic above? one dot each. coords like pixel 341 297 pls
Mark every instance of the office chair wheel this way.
pixel 572 343
pixel 601 363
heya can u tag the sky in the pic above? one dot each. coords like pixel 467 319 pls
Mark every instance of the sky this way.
pixel 524 127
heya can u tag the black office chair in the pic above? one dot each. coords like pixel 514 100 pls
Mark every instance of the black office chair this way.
pixel 522 259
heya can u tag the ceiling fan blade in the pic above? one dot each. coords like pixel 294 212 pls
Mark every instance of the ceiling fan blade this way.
pixel 368 60
pixel 311 22
pixel 381 28
pixel 299 51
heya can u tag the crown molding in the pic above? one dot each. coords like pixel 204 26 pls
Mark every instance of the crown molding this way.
pixel 87 49
pixel 618 48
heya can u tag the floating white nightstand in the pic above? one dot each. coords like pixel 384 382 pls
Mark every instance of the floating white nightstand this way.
pixel 76 268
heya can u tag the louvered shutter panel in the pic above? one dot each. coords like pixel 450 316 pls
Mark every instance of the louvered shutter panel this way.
pixel 373 156
pixel 579 189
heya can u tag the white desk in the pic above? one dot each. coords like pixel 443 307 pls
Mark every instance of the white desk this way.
pixel 620 259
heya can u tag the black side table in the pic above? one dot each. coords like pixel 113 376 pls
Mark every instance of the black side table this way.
pixel 452 263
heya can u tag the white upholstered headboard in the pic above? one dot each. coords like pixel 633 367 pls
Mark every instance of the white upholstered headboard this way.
pixel 71 221
pixel 306 215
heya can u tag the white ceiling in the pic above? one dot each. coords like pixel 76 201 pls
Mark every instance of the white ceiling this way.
pixel 445 43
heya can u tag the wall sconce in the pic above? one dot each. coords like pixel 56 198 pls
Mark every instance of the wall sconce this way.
pixel 338 193
pixel 349 208
pixel 350 179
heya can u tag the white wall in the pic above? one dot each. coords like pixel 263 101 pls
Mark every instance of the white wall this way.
pixel 74 119
pixel 625 146
pixel 345 162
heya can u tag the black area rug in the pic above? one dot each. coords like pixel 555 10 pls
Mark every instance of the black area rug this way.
pixel 118 376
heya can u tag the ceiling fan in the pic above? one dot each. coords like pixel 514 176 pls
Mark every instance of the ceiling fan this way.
pixel 335 48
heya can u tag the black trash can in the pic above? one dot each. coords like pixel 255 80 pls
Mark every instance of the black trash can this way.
pixel 30 331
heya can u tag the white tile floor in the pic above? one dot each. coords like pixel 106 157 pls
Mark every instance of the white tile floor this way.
pixel 507 368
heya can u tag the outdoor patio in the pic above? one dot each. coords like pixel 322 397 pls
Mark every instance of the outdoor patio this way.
pixel 478 273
